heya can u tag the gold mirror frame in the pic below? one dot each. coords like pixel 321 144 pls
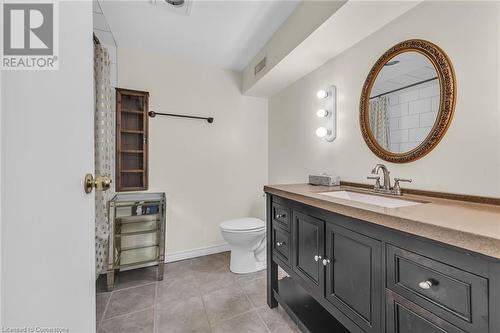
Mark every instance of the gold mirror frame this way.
pixel 447 88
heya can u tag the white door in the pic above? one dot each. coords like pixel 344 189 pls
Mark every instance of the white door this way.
pixel 47 219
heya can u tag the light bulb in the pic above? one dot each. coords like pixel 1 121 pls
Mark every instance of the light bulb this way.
pixel 322 113
pixel 322 94
pixel 321 132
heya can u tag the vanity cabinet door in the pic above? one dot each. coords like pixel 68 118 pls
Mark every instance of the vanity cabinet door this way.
pixel 307 250
pixel 354 276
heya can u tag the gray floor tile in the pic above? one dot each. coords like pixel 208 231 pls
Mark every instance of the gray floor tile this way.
pixel 176 287
pixel 225 303
pixel 185 315
pixel 178 268
pixel 245 323
pixel 216 279
pixel 130 300
pixel 256 291
pixel 277 320
pixel 211 263
pixel 224 256
pixel 138 322
pixel 135 277
pixel 101 284
pixel 101 300
pixel 127 279
pixel 244 278
pixel 193 293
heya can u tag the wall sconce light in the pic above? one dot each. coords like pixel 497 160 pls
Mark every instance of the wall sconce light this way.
pixel 321 132
pixel 322 113
pixel 328 113
pixel 322 94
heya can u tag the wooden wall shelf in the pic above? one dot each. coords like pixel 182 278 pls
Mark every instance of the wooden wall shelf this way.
pixel 132 134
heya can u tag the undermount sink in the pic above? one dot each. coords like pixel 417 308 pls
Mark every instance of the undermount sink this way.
pixel 371 199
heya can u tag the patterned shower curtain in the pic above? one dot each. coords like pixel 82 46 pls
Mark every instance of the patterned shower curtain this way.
pixel 379 120
pixel 104 151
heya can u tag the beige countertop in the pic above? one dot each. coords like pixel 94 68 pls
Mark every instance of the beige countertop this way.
pixel 471 226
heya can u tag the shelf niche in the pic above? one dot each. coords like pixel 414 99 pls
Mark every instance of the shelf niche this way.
pixel 131 140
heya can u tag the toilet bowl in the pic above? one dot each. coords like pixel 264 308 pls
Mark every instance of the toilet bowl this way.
pixel 247 239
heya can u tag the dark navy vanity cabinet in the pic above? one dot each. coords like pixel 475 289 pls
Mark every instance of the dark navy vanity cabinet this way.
pixel 348 275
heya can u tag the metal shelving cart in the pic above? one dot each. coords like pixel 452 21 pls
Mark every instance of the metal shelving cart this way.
pixel 137 233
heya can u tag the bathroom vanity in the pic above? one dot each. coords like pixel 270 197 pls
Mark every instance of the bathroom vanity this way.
pixel 429 266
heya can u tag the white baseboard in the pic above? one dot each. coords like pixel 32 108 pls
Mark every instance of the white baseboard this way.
pixel 202 251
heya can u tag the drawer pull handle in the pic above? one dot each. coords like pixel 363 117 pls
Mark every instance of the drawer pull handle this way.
pixel 425 285
pixel 278 244
pixel 280 216
pixel 326 261
pixel 317 258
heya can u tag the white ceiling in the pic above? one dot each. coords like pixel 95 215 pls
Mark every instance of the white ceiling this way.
pixel 226 34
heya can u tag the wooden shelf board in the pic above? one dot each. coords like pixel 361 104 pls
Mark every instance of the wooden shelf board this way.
pixel 133 111
pixel 132 170
pixel 131 131
pixel 132 188
pixel 131 151
pixel 309 315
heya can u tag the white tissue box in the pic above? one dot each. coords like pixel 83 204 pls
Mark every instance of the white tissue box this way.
pixel 324 179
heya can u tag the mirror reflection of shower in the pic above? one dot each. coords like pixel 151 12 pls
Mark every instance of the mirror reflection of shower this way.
pixel 404 102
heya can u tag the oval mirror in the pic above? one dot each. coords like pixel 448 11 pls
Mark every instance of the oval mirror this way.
pixel 407 101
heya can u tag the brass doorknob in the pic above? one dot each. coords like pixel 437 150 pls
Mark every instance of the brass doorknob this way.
pixel 101 183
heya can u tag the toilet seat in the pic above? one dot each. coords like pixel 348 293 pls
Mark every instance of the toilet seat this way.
pixel 247 224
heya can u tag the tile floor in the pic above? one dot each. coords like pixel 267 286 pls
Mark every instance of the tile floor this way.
pixel 196 295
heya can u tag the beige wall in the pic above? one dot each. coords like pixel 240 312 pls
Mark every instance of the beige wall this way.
pixel 210 173
pixel 468 158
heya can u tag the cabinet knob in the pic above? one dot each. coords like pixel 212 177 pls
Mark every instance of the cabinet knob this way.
pixel 280 216
pixel 425 284
pixel 326 261
pixel 278 244
pixel 317 258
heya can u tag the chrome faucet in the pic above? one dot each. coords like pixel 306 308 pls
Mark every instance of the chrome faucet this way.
pixel 387 177
pixel 386 188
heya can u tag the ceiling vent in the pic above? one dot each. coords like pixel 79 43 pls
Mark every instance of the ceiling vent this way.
pixel 181 7
pixel 260 66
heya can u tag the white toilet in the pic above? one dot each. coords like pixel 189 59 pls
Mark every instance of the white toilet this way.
pixel 247 239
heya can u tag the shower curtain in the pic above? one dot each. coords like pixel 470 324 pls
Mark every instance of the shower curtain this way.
pixel 379 120
pixel 104 151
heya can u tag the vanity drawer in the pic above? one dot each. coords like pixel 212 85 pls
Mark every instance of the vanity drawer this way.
pixel 281 216
pixel 281 244
pixel 453 294
pixel 403 316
